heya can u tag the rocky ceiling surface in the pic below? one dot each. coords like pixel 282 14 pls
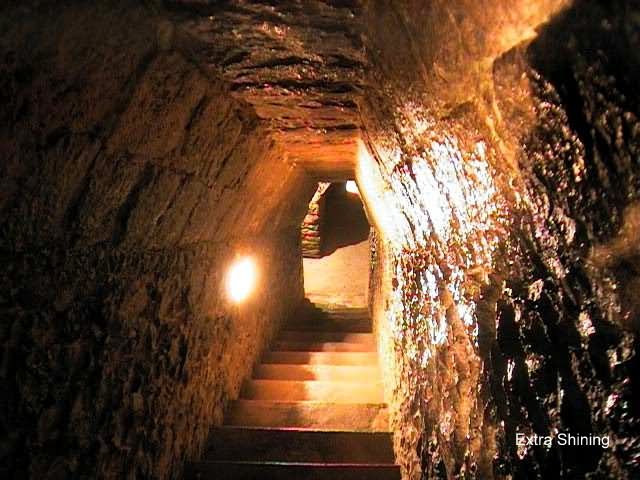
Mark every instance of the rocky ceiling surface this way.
pixel 299 64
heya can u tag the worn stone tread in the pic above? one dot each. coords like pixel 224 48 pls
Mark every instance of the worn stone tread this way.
pixel 290 445
pixel 319 336
pixel 345 325
pixel 372 417
pixel 322 358
pixel 305 346
pixel 315 372
pixel 338 392
pixel 291 471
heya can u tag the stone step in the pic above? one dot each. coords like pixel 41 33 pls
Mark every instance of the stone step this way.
pixel 311 336
pixel 282 445
pixel 287 345
pixel 337 392
pixel 322 358
pixel 371 417
pixel 337 373
pixel 290 471
pixel 314 409
pixel 344 325
pixel 344 312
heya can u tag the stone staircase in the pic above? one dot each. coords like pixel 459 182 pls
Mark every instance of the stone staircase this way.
pixel 314 409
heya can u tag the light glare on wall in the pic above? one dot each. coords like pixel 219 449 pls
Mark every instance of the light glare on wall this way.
pixel 352 187
pixel 241 279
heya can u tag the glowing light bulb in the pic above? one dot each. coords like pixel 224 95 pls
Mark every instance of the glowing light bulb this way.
pixel 241 279
pixel 352 187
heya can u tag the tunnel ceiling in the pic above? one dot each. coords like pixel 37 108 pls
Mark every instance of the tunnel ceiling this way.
pixel 300 65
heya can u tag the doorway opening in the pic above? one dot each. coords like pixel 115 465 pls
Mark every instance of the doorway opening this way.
pixel 336 272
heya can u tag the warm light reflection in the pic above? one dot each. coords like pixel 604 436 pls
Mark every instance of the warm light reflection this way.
pixel 241 279
pixel 379 203
pixel 352 187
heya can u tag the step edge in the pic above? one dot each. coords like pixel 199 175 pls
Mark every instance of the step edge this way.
pixel 310 429
pixel 292 332
pixel 299 365
pixel 335 402
pixel 280 339
pixel 314 402
pixel 323 342
pixel 297 464
pixel 373 352
pixel 317 382
pixel 300 429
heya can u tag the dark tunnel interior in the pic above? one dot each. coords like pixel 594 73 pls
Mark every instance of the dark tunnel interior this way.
pixel 345 219
pixel 188 290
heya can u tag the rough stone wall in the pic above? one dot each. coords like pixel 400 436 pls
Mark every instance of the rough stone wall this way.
pixel 441 51
pixel 311 230
pixel 567 331
pixel 129 181
pixel 503 303
pixel 427 299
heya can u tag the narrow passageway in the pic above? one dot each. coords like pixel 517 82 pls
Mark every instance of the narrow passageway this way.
pixel 313 409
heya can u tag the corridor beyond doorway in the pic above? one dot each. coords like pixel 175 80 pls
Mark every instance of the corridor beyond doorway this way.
pixel 340 277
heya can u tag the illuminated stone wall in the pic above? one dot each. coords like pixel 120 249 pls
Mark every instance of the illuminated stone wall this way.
pixel 129 181
pixel 502 301
pixel 427 322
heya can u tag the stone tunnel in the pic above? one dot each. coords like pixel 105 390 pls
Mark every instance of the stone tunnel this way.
pixel 147 146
